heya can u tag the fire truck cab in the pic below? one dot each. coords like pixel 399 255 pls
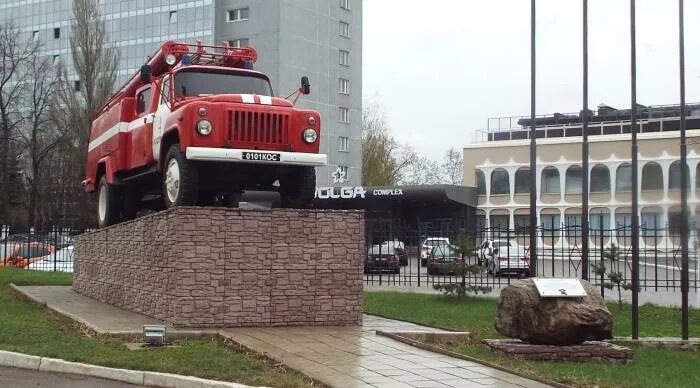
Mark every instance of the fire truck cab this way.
pixel 198 126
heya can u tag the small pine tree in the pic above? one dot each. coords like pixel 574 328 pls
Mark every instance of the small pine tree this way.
pixel 616 279
pixel 462 268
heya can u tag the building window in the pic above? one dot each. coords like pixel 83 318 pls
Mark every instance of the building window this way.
pixel 56 33
pixel 76 85
pixel 343 172
pixel 573 225
pixel 573 180
pixel 238 43
pixel 674 176
pixel 623 181
pixel 652 177
pixel 35 35
pixel 550 181
pixel 500 222
pixel 600 179
pixel 173 16
pixel 674 222
pixel 522 223
pixel 343 86
pixel 345 4
pixel 522 181
pixel 343 143
pixel 551 225
pixel 343 114
pixel 500 183
pixel 344 29
pixel 345 58
pixel 237 15
pixel 651 219
pixel 480 183
pixel 697 176
pixel 596 216
pixel 56 59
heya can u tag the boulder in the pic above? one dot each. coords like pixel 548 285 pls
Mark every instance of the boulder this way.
pixel 523 314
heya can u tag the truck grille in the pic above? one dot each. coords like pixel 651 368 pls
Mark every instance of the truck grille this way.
pixel 258 127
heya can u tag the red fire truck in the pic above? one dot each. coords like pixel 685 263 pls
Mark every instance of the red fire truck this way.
pixel 198 126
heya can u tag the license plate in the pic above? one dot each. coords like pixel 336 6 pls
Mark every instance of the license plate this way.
pixel 261 156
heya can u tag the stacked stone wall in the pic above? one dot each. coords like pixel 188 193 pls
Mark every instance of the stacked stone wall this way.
pixel 217 267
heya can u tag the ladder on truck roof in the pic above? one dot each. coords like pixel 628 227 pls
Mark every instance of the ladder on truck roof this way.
pixel 216 56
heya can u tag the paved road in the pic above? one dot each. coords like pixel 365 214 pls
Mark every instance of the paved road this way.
pixel 24 378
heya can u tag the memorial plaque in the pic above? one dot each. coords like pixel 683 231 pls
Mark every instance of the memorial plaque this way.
pixel 559 288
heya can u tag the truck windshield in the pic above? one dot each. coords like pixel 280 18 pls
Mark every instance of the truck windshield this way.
pixel 190 83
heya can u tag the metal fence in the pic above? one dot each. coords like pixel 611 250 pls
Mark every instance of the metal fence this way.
pixel 401 256
pixel 47 250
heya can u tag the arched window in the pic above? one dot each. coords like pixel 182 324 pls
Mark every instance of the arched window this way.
pixel 600 179
pixel 674 176
pixel 522 180
pixel 697 176
pixel 480 183
pixel 652 177
pixel 550 181
pixel 573 180
pixel 500 183
pixel 623 181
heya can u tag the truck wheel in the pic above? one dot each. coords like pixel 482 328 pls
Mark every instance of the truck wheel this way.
pixel 107 203
pixel 297 189
pixel 180 179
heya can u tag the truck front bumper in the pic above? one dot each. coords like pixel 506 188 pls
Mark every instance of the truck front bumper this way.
pixel 207 154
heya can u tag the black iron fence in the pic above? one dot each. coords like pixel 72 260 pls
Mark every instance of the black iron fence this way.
pixel 409 257
pixel 42 250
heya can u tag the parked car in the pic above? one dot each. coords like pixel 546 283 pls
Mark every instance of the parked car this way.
pixel 382 258
pixel 399 248
pixel 505 257
pixel 428 245
pixel 23 254
pixel 442 260
pixel 61 261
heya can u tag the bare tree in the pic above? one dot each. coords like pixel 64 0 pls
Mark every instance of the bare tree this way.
pixel 15 52
pixel 452 167
pixel 421 171
pixel 96 68
pixel 383 159
pixel 39 133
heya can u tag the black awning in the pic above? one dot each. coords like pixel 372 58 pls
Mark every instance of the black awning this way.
pixel 356 196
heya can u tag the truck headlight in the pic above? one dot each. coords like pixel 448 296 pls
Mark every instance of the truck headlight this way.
pixel 204 127
pixel 310 135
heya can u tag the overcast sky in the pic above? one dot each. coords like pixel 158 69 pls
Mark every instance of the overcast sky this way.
pixel 442 68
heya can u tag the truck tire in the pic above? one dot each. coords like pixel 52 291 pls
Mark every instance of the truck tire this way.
pixel 297 189
pixel 180 179
pixel 107 203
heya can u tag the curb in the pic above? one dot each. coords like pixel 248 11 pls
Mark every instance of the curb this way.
pixel 153 379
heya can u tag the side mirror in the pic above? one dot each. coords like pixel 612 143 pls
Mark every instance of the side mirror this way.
pixel 146 74
pixel 305 85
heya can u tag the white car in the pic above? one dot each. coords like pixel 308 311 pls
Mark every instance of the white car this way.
pixel 505 257
pixel 62 261
pixel 428 245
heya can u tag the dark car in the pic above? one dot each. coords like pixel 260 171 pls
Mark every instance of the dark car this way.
pixel 382 258
pixel 442 260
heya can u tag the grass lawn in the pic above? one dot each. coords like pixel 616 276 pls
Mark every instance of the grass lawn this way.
pixel 651 367
pixel 27 328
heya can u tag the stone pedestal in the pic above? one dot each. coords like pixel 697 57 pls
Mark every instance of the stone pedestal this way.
pixel 587 351
pixel 218 267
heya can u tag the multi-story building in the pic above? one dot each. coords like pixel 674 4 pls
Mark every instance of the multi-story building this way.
pixel 318 38
pixel 497 163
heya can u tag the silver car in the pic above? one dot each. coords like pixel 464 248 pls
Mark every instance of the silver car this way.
pixel 505 257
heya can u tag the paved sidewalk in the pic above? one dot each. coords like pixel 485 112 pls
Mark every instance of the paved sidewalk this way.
pixel 336 356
